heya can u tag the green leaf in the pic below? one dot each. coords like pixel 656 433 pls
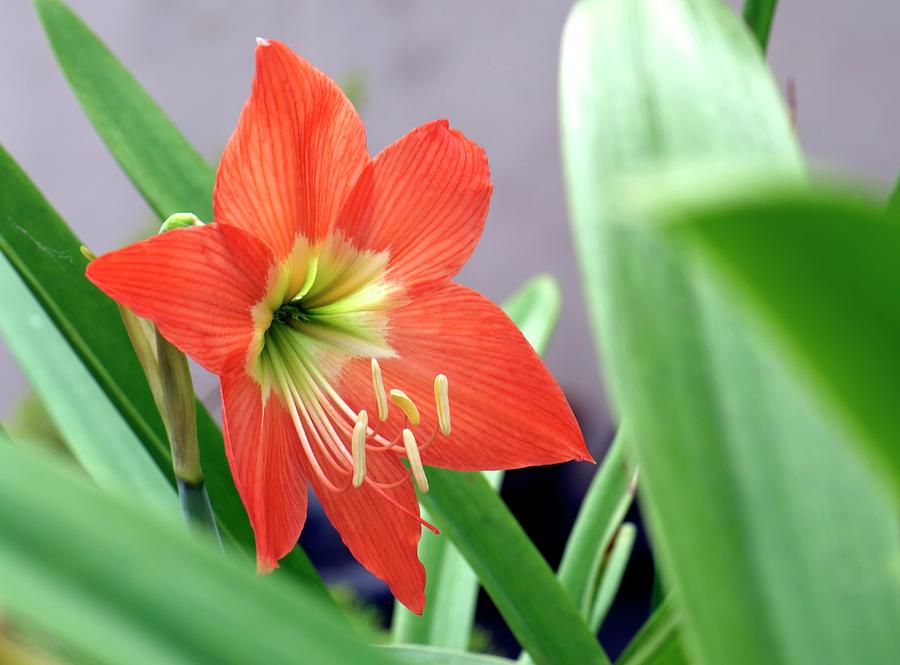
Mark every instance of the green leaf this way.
pixel 93 430
pixel 826 289
pixel 611 575
pixel 430 655
pixel 537 609
pixel 602 511
pixel 770 531
pixel 451 585
pixel 759 15
pixel 161 163
pixel 121 584
pixel 45 253
pixel 658 642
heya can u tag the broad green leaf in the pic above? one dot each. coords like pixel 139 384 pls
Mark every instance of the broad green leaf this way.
pixel 93 430
pixel 123 585
pixel 45 253
pixel 161 163
pixel 893 205
pixel 451 586
pixel 827 289
pixel 658 642
pixel 759 15
pixel 430 655
pixel 768 528
pixel 516 577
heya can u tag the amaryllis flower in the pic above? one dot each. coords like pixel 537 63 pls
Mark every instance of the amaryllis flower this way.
pixel 321 296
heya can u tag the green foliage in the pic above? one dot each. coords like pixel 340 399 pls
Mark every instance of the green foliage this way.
pixel 121 584
pixel 770 532
pixel 825 289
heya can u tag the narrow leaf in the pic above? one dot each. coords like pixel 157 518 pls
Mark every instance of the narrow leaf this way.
pixel 759 15
pixel 658 642
pixel 611 575
pixel 161 163
pixel 430 655
pixel 538 611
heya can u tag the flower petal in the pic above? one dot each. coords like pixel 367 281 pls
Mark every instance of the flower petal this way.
pixel 265 461
pixel 196 284
pixel 381 535
pixel 425 199
pixel 295 155
pixel 506 409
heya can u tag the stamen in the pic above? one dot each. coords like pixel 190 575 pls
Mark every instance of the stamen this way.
pixel 359 448
pixel 402 400
pixel 415 462
pixel 378 386
pixel 442 401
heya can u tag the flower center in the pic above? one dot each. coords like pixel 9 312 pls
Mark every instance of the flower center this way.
pixel 327 306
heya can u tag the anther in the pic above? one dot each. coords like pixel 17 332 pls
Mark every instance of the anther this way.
pixel 415 462
pixel 358 448
pixel 378 386
pixel 402 400
pixel 442 403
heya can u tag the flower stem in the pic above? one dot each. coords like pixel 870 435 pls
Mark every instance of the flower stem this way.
pixel 181 423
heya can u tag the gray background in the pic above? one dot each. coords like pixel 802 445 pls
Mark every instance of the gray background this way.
pixel 489 67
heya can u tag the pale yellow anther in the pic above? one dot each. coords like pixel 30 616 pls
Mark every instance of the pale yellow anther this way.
pixel 406 405
pixel 415 462
pixel 378 387
pixel 358 448
pixel 442 403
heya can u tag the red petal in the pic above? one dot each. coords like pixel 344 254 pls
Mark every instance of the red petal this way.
pixel 263 452
pixel 506 409
pixel 197 284
pixel 296 154
pixel 381 535
pixel 425 199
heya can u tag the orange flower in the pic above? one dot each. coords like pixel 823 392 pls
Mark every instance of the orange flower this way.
pixel 325 278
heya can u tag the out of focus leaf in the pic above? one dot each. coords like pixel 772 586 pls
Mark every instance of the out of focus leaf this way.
pixel 451 586
pixel 92 428
pixel 122 585
pixel 770 531
pixel 822 269
pixel 430 655
pixel 172 177
pixel 516 577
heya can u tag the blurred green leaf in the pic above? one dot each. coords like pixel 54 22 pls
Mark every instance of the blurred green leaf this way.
pixel 893 205
pixel 827 288
pixel 451 585
pixel 161 163
pixel 172 177
pixel 93 430
pixel 658 642
pixel 124 585
pixel 770 531
pixel 516 577
pixel 430 655
pixel 759 15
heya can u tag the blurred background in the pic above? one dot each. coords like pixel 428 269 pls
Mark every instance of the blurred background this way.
pixel 490 68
